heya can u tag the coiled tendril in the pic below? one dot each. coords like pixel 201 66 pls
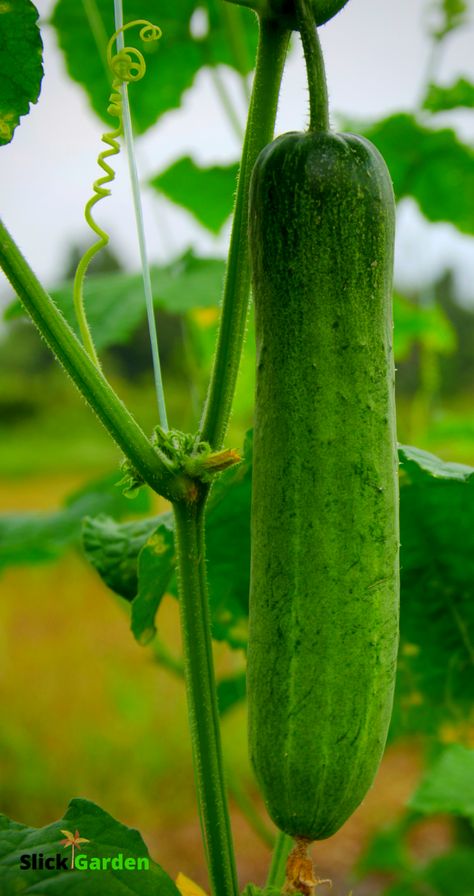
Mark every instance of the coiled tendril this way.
pixel 127 65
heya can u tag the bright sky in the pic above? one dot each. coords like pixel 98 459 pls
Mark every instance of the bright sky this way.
pixel 376 56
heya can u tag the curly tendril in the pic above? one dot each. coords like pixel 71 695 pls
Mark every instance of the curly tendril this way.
pixel 127 66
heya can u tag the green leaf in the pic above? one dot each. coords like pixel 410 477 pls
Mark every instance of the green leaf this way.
pixel 420 467
pixel 435 679
pixel 228 546
pixel 21 70
pixel 448 784
pixel 406 888
pixel 453 13
pixel 189 282
pixel 39 537
pixel 116 304
pixel 206 192
pixel 418 325
pixel 433 166
pixel 172 62
pixel 230 691
pixel 156 565
pixel 386 852
pixel 442 99
pixel 107 839
pixel 117 553
pixel 452 874
pixel 112 548
pixel 137 561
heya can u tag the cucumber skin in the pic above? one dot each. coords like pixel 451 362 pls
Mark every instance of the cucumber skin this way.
pixel 285 13
pixel 324 591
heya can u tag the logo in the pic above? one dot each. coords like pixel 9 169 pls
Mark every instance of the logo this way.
pixel 74 841
pixel 38 861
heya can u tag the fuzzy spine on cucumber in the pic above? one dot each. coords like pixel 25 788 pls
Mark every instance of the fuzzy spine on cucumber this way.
pixel 324 577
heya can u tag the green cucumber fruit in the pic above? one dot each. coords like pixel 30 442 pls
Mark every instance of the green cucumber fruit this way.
pixel 324 577
pixel 285 12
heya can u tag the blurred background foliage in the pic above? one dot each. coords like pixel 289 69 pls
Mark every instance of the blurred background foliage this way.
pixel 88 711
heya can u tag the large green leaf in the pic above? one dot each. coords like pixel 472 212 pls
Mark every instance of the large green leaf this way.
pixel 38 537
pixel 21 70
pixel 125 557
pixel 116 304
pixel 206 192
pixel 172 62
pixel 107 839
pixel 458 95
pixel 436 661
pixel 433 166
pixel 448 784
pixel 452 874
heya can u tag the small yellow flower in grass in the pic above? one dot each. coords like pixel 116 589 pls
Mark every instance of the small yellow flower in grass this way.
pixel 187 887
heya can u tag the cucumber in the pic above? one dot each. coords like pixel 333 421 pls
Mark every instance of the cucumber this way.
pixel 324 589
pixel 284 11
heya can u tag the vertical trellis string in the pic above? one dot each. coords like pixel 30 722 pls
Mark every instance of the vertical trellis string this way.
pixel 132 167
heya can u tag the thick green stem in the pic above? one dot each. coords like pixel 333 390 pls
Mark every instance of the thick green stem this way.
pixel 281 850
pixel 318 92
pixel 272 47
pixel 201 696
pixel 150 463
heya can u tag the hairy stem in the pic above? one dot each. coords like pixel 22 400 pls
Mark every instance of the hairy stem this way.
pixel 318 92
pixel 148 461
pixel 272 47
pixel 201 696
pixel 281 851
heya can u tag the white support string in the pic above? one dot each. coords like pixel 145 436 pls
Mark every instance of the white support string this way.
pixel 132 167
